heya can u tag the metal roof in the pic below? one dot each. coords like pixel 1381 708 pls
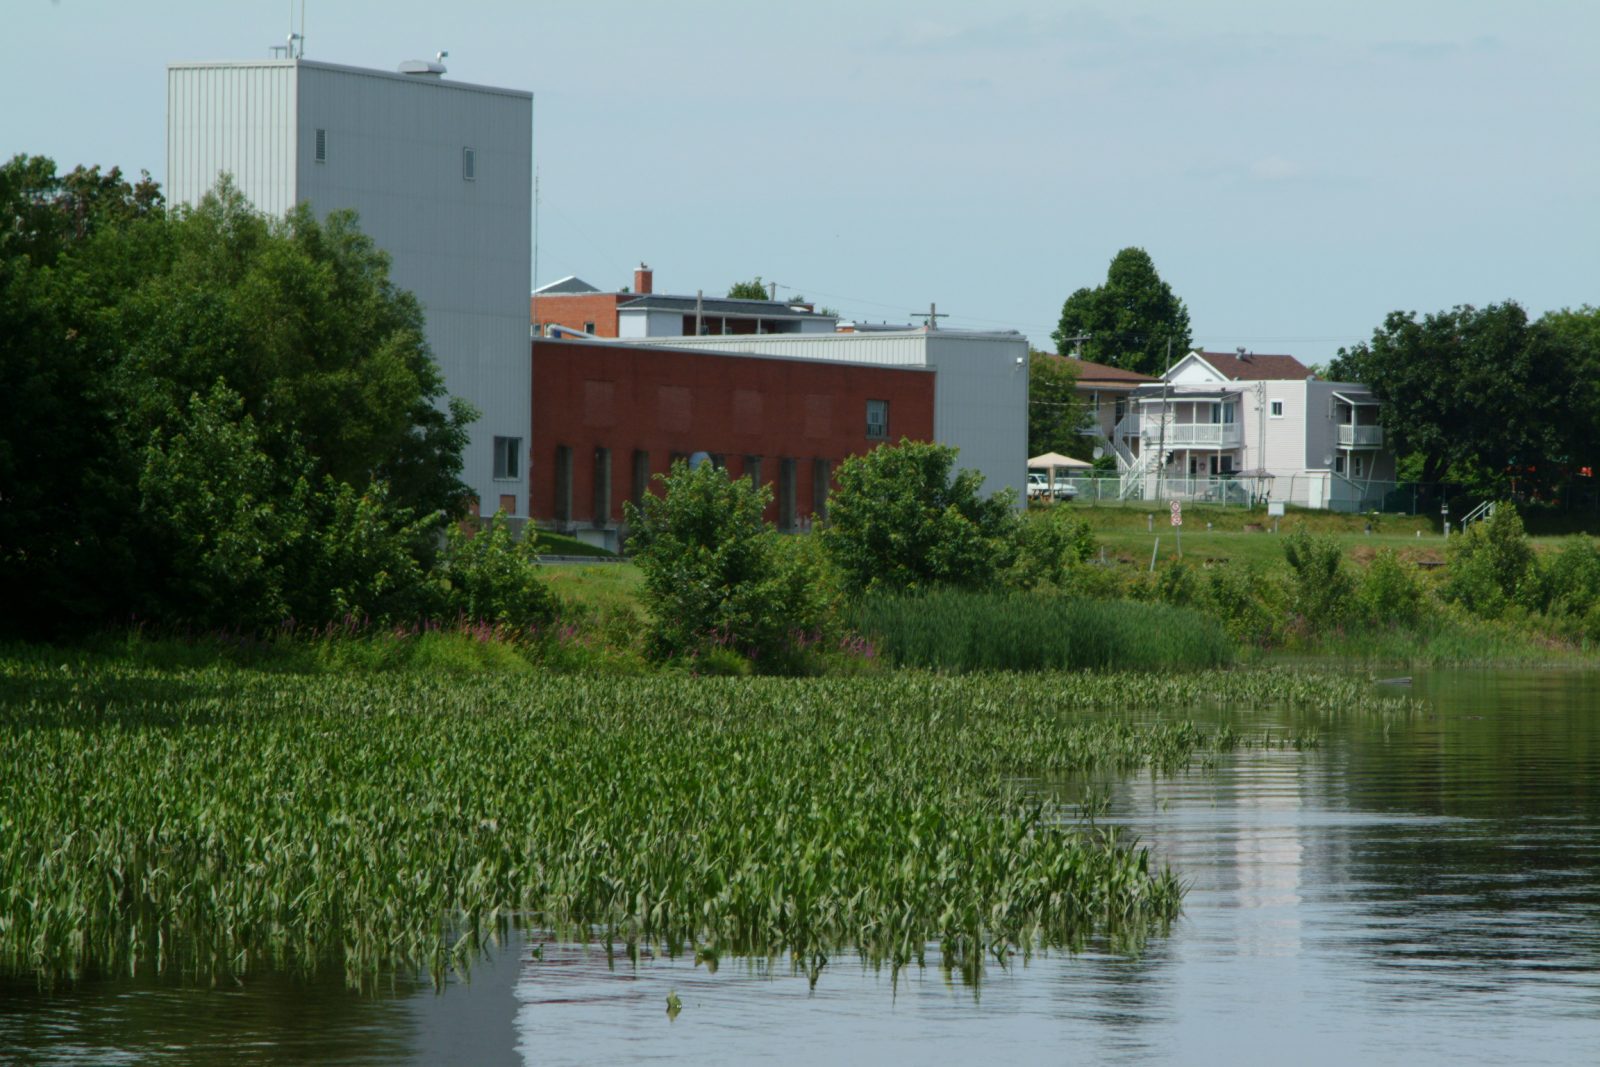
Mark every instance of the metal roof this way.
pixel 750 309
pixel 570 284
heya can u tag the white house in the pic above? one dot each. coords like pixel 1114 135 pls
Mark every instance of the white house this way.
pixel 980 401
pixel 1244 426
pixel 441 173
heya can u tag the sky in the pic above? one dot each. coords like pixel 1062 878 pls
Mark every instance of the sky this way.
pixel 1296 171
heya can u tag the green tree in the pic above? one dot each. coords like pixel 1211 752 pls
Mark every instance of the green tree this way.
pixel 1055 412
pixel 153 362
pixel 756 289
pixel 492 577
pixel 1470 391
pixel 1128 321
pixel 900 520
pixel 717 580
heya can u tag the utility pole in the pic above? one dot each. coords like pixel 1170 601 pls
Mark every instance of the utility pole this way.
pixel 772 289
pixel 932 316
pixel 1077 344
pixel 699 312
pixel 1161 451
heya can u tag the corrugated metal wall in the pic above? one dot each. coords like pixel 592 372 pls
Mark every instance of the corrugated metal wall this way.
pixel 234 118
pixel 394 154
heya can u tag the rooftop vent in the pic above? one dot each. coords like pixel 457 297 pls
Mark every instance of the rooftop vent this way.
pixel 423 67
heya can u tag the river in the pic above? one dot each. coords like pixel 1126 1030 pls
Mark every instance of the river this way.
pixel 1417 888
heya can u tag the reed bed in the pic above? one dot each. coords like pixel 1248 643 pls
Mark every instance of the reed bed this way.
pixel 955 630
pixel 209 822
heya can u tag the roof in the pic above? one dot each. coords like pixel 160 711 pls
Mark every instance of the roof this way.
pixel 1090 371
pixel 762 309
pixel 1254 368
pixel 570 284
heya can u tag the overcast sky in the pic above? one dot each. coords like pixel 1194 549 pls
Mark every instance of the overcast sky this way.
pixel 1296 170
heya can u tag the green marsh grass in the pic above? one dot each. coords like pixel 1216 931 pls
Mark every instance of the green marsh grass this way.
pixel 208 822
pixel 963 631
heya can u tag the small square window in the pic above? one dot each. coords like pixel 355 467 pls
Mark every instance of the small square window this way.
pixel 878 420
pixel 1277 409
pixel 322 146
pixel 507 457
pixel 469 165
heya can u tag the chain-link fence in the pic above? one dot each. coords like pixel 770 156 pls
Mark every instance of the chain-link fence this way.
pixel 1322 490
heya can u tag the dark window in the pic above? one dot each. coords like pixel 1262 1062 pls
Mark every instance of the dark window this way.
pixel 819 489
pixel 1225 465
pixel 563 483
pixel 786 495
pixel 1277 409
pixel 878 420
pixel 507 457
pixel 322 146
pixel 469 165
pixel 602 486
pixel 641 476
pixel 588 327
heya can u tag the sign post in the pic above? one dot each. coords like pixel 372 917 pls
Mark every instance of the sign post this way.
pixel 1177 525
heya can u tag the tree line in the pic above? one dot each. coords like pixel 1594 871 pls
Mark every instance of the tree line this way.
pixel 213 418
pixel 1484 397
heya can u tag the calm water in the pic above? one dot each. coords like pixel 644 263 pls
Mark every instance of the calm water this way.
pixel 1418 889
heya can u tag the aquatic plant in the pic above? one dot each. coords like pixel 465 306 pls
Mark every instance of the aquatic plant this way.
pixel 205 822
pixel 956 630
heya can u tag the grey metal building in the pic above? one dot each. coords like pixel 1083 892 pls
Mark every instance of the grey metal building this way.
pixel 441 174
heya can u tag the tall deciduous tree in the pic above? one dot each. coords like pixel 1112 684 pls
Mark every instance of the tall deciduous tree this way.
pixel 1476 393
pixel 1128 321
pixel 187 397
pixel 755 289
pixel 1055 414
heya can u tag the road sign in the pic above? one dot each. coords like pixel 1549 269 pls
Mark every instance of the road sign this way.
pixel 1177 513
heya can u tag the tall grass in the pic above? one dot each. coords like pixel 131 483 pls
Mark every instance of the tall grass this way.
pixel 961 631
pixel 207 822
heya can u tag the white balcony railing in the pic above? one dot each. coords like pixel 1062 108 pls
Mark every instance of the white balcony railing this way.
pixel 1360 436
pixel 1193 434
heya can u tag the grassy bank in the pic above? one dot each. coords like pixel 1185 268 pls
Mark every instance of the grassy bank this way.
pixel 206 822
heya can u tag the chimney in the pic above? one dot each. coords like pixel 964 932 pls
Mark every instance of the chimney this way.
pixel 643 277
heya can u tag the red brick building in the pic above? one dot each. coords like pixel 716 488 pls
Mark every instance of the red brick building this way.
pixel 608 416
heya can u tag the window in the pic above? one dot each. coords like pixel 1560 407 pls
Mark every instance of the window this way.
pixel 1277 409
pixel 322 146
pixel 1358 466
pixel 1338 464
pixel 1224 464
pixel 507 457
pixel 878 420
pixel 588 327
pixel 469 165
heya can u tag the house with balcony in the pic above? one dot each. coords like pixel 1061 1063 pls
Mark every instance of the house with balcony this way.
pixel 1241 427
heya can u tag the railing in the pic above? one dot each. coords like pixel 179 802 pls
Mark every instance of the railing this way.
pixel 1193 434
pixel 1360 436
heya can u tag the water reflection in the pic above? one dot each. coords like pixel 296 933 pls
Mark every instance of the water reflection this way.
pixel 1421 888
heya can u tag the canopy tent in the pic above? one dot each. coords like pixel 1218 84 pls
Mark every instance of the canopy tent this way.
pixel 1053 461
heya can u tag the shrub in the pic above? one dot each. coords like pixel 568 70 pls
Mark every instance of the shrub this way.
pixel 1241 599
pixel 492 577
pixel 900 520
pixel 1489 564
pixel 716 575
pixel 1051 544
pixel 1178 585
pixel 1321 589
pixel 1389 593
pixel 1568 582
